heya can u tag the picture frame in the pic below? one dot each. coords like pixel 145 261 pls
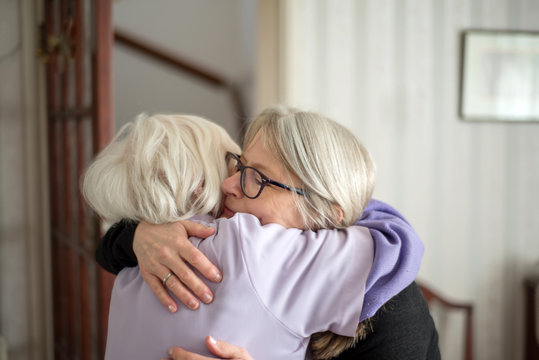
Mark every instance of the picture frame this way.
pixel 499 76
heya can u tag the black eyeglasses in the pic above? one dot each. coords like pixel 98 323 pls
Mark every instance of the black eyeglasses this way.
pixel 253 181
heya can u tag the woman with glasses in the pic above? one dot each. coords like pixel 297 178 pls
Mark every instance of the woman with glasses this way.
pixel 280 179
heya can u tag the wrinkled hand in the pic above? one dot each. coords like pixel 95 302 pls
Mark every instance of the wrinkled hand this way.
pixel 220 348
pixel 161 249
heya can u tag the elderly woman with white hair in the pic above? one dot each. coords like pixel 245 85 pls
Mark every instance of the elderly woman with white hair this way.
pixel 298 171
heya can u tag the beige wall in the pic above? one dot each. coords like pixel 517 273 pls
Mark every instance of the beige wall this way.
pixel 268 55
pixel 216 35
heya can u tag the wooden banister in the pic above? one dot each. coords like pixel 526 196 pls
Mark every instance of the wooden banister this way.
pixel 431 296
pixel 188 67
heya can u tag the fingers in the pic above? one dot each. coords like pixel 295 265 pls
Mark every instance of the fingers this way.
pixel 177 353
pixel 184 295
pixel 227 351
pixel 187 276
pixel 161 249
pixel 196 258
pixel 174 285
pixel 180 284
pixel 196 229
pixel 220 348
pixel 157 288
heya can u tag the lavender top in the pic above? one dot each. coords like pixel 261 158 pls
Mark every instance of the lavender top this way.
pixel 279 286
pixel 275 291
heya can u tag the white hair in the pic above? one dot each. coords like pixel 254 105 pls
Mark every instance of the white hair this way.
pixel 160 168
pixel 335 169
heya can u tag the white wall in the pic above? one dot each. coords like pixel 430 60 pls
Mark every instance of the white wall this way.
pixel 389 70
pixel 216 35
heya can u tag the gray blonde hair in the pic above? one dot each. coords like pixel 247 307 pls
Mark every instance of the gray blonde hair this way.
pixel 160 168
pixel 335 169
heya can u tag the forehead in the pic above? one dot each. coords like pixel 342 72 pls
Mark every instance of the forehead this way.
pixel 258 156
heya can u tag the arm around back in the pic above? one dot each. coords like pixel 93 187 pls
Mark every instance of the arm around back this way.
pixel 115 250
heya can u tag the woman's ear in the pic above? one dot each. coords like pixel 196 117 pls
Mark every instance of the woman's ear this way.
pixel 339 214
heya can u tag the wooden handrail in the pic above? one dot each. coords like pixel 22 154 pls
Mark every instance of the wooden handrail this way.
pixel 467 307
pixel 186 66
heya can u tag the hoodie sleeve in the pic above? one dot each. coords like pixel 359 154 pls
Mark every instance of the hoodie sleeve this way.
pixel 398 251
pixel 115 250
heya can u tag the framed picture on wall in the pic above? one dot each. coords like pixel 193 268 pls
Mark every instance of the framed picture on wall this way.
pixel 500 76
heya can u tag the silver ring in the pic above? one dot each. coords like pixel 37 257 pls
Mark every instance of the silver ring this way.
pixel 166 278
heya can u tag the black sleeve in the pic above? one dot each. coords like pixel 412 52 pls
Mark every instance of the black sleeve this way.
pixel 402 329
pixel 115 250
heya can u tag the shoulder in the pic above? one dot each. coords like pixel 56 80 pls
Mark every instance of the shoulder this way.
pixel 247 229
pixel 379 210
pixel 291 270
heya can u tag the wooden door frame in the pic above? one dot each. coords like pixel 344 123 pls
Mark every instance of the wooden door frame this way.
pixel 77 48
pixel 36 185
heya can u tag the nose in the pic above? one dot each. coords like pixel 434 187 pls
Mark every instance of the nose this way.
pixel 231 186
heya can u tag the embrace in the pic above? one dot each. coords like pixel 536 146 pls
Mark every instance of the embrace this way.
pixel 277 250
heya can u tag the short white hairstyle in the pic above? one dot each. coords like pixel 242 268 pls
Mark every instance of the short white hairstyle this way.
pixel 160 169
pixel 335 169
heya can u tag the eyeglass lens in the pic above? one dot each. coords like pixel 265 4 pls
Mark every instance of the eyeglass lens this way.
pixel 251 180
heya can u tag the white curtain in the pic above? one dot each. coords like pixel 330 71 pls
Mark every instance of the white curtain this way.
pixel 389 70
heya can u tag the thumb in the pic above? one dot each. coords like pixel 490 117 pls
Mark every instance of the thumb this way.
pixel 196 229
pixel 225 350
